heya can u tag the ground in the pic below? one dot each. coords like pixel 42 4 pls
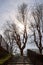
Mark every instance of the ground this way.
pixel 30 59
pixel 20 60
pixel 23 60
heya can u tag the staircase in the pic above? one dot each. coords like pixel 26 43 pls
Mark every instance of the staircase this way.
pixel 19 61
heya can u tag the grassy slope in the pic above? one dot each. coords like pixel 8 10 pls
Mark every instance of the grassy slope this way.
pixel 4 55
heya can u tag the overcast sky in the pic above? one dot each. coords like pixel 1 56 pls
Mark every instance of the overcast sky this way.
pixel 8 8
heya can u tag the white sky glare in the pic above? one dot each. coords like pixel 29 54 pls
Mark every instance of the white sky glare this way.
pixel 8 8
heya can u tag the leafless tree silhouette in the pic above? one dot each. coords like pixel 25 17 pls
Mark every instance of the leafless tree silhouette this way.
pixel 36 27
pixel 12 33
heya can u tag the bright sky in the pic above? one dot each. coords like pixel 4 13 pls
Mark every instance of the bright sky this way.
pixel 8 9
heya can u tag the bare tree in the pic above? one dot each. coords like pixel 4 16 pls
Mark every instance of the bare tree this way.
pixel 8 38
pixel 14 30
pixel 22 17
pixel 36 27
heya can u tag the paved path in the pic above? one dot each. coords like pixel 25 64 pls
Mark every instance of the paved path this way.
pixel 19 61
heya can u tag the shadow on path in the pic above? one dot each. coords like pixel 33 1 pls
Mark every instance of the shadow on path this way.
pixel 19 60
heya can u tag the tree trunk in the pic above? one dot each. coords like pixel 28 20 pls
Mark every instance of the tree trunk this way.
pixel 21 51
pixel 40 50
pixel 0 44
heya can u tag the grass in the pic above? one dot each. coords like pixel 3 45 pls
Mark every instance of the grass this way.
pixel 2 60
pixel 4 55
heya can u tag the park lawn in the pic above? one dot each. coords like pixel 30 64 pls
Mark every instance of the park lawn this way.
pixel 4 59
